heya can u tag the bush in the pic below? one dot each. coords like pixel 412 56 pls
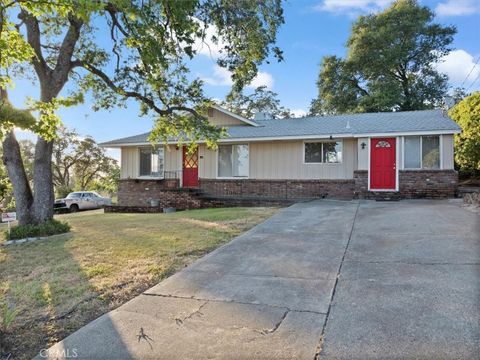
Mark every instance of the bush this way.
pixel 49 227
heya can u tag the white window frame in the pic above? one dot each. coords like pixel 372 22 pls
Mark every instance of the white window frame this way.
pixel 323 141
pixel 139 162
pixel 232 177
pixel 421 168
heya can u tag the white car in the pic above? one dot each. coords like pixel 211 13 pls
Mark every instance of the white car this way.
pixel 81 200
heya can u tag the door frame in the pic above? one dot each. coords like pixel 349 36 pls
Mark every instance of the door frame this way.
pixel 397 161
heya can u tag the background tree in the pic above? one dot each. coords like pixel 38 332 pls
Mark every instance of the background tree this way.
pixel 390 63
pixel 261 100
pixel 142 55
pixel 93 164
pixel 467 144
pixel 63 160
pixel 80 164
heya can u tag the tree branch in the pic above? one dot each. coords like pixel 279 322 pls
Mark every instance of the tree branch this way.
pixel 131 94
pixel 62 67
pixel 33 38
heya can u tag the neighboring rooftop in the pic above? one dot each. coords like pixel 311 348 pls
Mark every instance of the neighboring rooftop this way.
pixel 351 125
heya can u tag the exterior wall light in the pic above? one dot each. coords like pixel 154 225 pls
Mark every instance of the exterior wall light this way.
pixel 363 145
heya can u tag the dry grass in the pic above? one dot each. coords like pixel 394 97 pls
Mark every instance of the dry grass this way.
pixel 61 283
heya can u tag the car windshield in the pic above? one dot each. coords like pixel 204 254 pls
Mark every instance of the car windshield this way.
pixel 74 196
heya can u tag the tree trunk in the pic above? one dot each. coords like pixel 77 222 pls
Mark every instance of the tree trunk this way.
pixel 38 207
pixel 12 158
pixel 44 198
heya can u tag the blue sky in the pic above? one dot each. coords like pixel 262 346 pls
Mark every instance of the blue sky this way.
pixel 312 29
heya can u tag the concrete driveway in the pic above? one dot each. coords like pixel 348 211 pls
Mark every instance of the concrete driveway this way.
pixel 323 279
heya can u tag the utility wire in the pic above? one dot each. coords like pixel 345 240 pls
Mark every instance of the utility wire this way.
pixel 471 70
pixel 474 81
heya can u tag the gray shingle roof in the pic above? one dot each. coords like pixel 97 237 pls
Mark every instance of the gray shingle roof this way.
pixel 344 125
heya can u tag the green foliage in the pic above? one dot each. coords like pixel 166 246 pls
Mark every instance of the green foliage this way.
pixel 47 228
pixel 467 144
pixel 80 164
pixel 9 313
pixel 261 100
pixel 149 45
pixel 390 63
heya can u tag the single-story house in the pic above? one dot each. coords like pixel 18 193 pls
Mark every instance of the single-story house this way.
pixel 404 154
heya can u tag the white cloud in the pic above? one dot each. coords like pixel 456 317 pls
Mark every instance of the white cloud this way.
pixel 457 64
pixel 223 77
pixel 298 112
pixel 458 8
pixel 206 46
pixel 262 79
pixel 352 7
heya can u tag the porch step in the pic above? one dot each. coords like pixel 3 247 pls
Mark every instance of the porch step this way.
pixel 385 196
pixel 221 201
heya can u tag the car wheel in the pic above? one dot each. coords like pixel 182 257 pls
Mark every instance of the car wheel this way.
pixel 74 208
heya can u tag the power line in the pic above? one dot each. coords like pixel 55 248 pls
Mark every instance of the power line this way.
pixel 474 81
pixel 471 70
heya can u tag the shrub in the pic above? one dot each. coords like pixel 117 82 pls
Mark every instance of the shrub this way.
pixel 49 227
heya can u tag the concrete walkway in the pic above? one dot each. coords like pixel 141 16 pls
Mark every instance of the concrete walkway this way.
pixel 407 288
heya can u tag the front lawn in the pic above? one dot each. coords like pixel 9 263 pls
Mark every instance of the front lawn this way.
pixel 62 283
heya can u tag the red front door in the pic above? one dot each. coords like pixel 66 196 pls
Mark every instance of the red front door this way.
pixel 383 164
pixel 190 168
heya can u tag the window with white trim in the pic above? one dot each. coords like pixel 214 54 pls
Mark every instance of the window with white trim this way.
pixel 233 160
pixel 422 152
pixel 152 162
pixel 323 152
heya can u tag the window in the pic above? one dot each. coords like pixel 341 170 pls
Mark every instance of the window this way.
pixel 422 152
pixel 323 152
pixel 151 162
pixel 233 160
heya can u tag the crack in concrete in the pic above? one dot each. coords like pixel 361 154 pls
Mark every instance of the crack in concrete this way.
pixel 235 302
pixel 276 326
pixel 321 341
pixel 411 263
pixel 260 275
pixel 196 312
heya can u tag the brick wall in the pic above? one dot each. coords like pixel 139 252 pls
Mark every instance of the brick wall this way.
pixel 428 183
pixel 139 193
pixel 414 184
pixel 279 189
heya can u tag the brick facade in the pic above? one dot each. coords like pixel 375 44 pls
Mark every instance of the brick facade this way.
pixel 139 193
pixel 279 189
pixel 414 184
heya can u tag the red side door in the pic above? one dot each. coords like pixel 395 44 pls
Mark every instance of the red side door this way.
pixel 190 168
pixel 383 164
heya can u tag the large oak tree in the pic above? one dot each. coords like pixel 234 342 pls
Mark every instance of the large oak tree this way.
pixel 390 64
pixel 119 50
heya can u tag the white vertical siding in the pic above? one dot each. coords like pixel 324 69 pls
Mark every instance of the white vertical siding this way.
pixel 129 159
pixel 285 160
pixel 362 158
pixel 218 118
pixel 447 152
pixel 207 162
